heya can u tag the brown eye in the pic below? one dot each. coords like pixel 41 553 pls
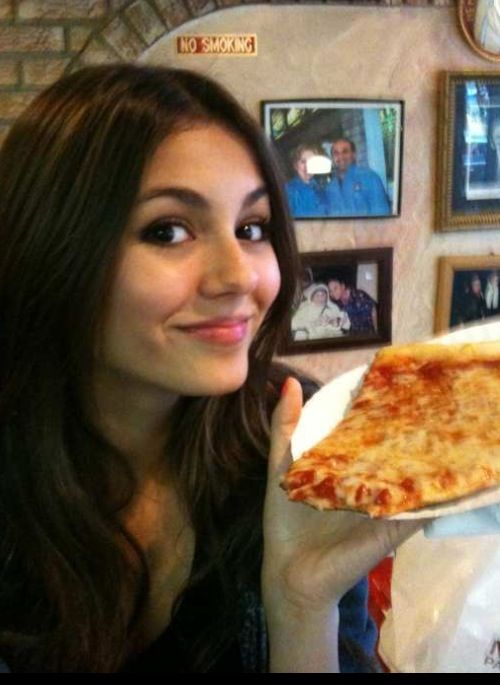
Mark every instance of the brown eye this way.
pixel 253 232
pixel 165 233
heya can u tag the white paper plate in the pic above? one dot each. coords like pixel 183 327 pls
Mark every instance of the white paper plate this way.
pixel 329 405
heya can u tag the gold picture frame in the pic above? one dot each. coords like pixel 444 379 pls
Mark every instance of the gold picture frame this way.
pixel 468 164
pixel 467 291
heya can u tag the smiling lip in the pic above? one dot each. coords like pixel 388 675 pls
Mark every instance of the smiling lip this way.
pixel 223 331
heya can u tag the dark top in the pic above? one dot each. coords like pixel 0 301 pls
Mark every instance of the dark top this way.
pixel 359 309
pixel 172 651
pixel 248 651
pixel 470 307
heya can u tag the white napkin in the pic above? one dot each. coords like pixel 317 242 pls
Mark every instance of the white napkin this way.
pixel 483 521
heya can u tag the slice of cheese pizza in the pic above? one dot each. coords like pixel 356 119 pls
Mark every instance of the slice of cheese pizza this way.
pixel 424 429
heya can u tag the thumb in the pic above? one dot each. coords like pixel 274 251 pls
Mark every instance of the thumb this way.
pixel 284 420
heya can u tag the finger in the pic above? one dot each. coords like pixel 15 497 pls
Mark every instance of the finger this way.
pixel 382 536
pixel 397 532
pixel 363 547
pixel 284 420
pixel 386 536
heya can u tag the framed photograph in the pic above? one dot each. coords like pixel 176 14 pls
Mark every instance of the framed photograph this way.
pixel 468 291
pixel 346 301
pixel 480 23
pixel 469 152
pixel 341 158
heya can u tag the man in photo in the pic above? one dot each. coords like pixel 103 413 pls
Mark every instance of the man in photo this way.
pixel 306 197
pixel 469 302
pixel 361 308
pixel 354 190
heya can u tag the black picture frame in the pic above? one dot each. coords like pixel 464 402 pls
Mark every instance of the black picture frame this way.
pixel 371 188
pixel 369 270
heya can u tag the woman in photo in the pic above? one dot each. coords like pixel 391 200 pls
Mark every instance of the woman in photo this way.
pixel 147 270
pixel 306 196
pixel 318 317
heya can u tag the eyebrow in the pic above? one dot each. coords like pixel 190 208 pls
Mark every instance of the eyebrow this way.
pixel 193 199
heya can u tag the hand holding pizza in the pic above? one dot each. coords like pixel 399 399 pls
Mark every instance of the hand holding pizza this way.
pixel 312 558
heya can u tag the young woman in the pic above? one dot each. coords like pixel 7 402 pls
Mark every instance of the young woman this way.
pixel 146 271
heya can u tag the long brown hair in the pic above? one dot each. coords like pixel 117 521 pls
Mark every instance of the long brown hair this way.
pixel 70 171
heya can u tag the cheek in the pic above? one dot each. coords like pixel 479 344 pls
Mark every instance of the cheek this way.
pixel 269 282
pixel 145 290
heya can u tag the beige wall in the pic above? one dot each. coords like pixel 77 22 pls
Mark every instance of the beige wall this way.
pixel 339 51
pixel 305 51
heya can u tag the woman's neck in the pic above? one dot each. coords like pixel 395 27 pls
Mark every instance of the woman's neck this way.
pixel 135 421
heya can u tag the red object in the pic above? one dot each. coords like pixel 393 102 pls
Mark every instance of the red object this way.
pixel 379 592
pixel 379 596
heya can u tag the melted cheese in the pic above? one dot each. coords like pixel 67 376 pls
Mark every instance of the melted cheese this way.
pixel 425 428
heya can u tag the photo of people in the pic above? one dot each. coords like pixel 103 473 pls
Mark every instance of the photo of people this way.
pixel 480 22
pixel 342 158
pixel 475 296
pixel 344 300
pixel 468 291
pixel 474 153
pixel 487 25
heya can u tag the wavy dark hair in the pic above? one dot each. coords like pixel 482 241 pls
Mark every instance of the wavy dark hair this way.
pixel 72 578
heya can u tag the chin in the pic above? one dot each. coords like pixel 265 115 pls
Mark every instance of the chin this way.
pixel 217 381
pixel 222 386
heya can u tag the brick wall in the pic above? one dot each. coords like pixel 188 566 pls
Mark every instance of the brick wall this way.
pixel 39 39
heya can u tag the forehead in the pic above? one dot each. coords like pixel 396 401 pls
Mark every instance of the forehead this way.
pixel 202 158
pixel 342 146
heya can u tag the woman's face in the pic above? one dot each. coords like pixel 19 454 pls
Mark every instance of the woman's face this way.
pixel 301 165
pixel 196 272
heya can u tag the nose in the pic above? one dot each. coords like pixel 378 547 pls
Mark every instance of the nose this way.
pixel 228 269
